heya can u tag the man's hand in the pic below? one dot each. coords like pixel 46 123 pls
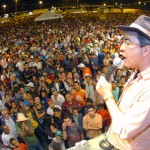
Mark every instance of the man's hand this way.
pixel 25 127
pixel 104 88
pixel 64 126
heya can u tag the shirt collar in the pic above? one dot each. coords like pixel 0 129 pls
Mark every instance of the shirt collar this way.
pixel 145 74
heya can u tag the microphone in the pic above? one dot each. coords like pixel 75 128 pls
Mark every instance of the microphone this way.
pixel 113 68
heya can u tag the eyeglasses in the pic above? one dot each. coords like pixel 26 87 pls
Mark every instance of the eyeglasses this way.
pixel 128 44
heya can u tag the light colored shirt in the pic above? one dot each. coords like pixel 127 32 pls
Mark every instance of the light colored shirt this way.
pixel 59 100
pixel 116 93
pixel 6 138
pixel 11 124
pixel 131 128
pixel 94 122
pixel 50 110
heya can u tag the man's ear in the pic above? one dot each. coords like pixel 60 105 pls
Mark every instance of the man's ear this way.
pixel 146 50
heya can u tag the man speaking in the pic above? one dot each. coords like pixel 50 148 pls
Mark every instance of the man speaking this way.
pixel 130 127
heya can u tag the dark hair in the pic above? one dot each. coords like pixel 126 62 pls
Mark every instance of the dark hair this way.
pixel 56 109
pixel 67 93
pixel 89 100
pixel 74 108
pixel 2 127
pixel 100 106
pixel 90 106
pixel 12 139
pixel 142 39
pixel 66 117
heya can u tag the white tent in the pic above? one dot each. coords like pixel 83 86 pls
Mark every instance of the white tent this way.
pixel 48 16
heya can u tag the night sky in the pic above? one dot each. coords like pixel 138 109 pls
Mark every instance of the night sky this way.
pixel 23 5
pixel 12 2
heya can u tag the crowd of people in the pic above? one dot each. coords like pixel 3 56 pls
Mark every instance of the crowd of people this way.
pixel 48 75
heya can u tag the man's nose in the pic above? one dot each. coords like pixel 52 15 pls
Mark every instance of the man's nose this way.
pixel 122 48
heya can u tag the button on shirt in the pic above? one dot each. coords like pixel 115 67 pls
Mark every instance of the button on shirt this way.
pixel 131 128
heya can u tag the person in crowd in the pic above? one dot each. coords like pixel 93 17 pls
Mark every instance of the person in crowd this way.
pixel 71 132
pixel 76 116
pixel 51 107
pixel 79 94
pixel 57 97
pixel 84 70
pixel 39 110
pixel 92 123
pixel 15 109
pixel 43 85
pixel 30 113
pixel 59 85
pixel 57 142
pixel 88 85
pixel 69 103
pixel 131 117
pixel 9 120
pixel 106 120
pixel 57 119
pixel 68 83
pixel 44 98
pixel 115 90
pixel 122 81
pixel 8 102
pixel 26 131
pixel 6 136
pixel 17 145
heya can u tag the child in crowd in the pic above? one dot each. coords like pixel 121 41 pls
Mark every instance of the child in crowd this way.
pixel 77 117
pixel 17 145
pixel 57 142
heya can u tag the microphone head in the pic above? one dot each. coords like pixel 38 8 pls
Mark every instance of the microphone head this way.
pixel 117 61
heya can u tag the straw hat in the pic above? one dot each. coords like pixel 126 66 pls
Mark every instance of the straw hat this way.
pixel 21 117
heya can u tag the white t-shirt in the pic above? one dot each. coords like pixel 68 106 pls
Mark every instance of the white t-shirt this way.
pixel 50 110
pixel 6 138
pixel 59 100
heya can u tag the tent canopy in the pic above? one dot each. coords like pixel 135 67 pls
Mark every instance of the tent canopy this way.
pixel 48 16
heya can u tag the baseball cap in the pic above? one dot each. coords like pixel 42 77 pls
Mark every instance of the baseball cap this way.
pixel 26 103
pixel 53 89
pixel 30 84
pixel 58 133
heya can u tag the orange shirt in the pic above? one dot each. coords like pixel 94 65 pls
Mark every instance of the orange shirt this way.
pixel 87 71
pixel 22 147
pixel 80 96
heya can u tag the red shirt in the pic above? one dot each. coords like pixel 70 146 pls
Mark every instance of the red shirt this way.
pixel 68 106
pixel 22 147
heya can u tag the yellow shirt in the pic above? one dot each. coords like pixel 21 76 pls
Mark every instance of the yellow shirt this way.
pixel 34 123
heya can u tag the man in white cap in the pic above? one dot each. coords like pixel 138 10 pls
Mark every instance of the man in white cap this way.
pixel 85 70
pixel 26 131
pixel 130 127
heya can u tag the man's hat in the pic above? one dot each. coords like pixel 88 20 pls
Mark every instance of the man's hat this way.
pixel 26 103
pixel 141 25
pixel 30 84
pixel 81 65
pixel 53 89
pixel 21 117
pixel 58 133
